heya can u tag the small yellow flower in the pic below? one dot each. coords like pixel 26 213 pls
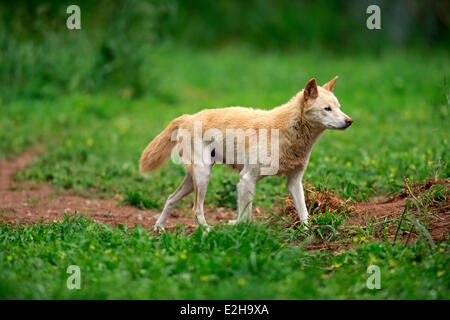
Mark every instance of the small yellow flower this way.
pixel 183 256
pixel 9 258
pixel 31 238
pixel 348 164
pixel 90 142
pixel 441 250
pixel 92 247
pixel 423 157
pixel 204 278
pixel 430 163
pixel 393 170
pixel 327 159
pixel 392 263
pixel 363 238
pixel 311 164
pixel 440 273
pixel 114 259
pixel 107 251
pixel 406 154
pixel 355 239
pixel 169 189
pixel 336 266
pixel 157 254
pixel 429 152
pixel 414 263
pixel 241 282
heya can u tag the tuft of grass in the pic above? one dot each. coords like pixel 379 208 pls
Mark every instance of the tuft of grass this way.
pixel 326 224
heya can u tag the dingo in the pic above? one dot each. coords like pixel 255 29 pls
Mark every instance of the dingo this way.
pixel 298 125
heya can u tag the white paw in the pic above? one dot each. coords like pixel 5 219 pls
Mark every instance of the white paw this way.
pixel 206 230
pixel 159 228
pixel 304 224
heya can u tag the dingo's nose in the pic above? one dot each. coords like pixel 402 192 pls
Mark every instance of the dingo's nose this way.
pixel 348 122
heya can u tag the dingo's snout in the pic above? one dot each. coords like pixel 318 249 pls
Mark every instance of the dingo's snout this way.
pixel 348 122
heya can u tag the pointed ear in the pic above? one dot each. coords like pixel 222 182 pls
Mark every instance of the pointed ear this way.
pixel 311 91
pixel 330 85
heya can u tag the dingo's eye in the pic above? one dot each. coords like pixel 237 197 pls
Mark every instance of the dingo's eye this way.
pixel 327 108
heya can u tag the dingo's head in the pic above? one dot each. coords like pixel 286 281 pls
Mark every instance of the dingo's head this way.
pixel 321 108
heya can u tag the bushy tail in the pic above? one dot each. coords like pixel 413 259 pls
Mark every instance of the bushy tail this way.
pixel 159 150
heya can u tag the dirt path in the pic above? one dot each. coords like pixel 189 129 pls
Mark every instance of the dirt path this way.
pixel 25 202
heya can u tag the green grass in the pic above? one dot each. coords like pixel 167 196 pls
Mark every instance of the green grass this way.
pixel 252 261
pixel 93 141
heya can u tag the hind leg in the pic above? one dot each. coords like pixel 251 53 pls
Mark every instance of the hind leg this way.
pixel 186 187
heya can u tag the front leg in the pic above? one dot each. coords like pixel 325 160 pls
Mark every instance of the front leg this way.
pixel 295 187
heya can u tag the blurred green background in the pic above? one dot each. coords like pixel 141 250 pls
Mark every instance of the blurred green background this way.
pixel 40 57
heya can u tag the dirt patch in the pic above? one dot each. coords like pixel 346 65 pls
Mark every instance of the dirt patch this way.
pixel 27 202
pixel 433 197
pixel 8 168
pixel 434 210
